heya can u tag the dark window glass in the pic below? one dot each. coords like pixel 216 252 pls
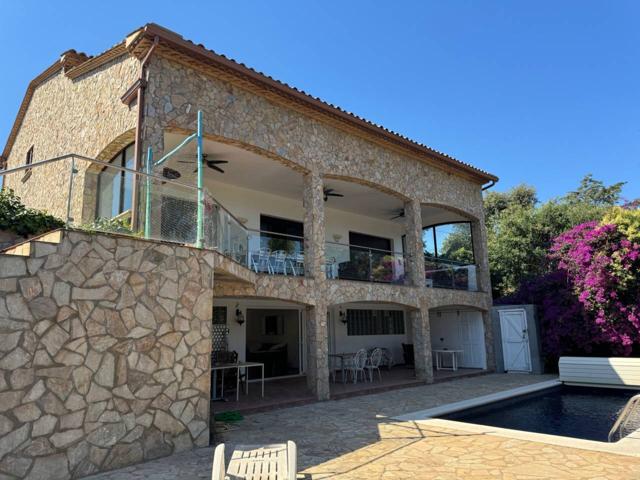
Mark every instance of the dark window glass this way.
pixel 375 322
pixel 369 241
pixel 29 159
pixel 290 239
pixel 219 315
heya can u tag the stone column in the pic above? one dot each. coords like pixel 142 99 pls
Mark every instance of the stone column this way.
pixel 488 340
pixel 314 232
pixel 422 343
pixel 314 261
pixel 479 238
pixel 413 242
pixel 317 351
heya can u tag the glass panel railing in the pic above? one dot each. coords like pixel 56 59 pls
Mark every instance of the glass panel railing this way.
pixel 275 253
pixel 351 262
pixel 226 232
pixel 448 274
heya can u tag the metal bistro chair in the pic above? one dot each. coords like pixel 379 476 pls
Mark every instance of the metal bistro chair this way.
pixel 373 363
pixel 279 262
pixel 261 261
pixel 356 365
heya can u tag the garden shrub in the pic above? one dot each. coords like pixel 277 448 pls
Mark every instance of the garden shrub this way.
pixel 21 220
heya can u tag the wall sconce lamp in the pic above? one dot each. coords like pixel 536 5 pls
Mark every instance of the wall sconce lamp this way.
pixel 239 315
pixel 342 316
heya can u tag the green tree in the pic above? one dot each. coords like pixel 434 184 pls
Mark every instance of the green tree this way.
pixel 458 244
pixel 521 231
pixel 595 192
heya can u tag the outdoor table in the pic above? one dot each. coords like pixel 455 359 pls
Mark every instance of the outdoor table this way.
pixel 237 366
pixel 440 356
pixel 342 357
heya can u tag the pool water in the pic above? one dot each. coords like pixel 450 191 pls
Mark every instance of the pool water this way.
pixel 579 412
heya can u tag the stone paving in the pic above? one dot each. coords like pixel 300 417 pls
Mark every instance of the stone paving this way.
pixel 355 439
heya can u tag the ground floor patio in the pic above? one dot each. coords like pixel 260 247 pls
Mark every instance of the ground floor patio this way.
pixel 293 391
pixel 356 438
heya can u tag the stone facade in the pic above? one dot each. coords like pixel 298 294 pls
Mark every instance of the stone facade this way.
pixel 83 116
pixel 104 342
pixel 104 354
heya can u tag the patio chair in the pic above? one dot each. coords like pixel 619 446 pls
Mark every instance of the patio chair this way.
pixel 253 462
pixel 373 363
pixel 260 261
pixel 356 364
pixel 278 261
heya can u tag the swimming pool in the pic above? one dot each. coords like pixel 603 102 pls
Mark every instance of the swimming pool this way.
pixel 579 412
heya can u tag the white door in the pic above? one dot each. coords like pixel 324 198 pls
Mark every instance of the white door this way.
pixel 471 332
pixel 515 340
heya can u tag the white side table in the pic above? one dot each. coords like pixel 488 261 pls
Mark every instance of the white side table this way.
pixel 441 354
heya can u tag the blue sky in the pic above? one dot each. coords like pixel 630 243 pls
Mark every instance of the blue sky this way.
pixel 539 92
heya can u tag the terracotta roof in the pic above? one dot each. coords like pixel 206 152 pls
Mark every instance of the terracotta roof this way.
pixel 174 45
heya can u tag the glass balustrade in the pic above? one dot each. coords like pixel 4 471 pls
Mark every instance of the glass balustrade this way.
pixel 275 253
pixel 351 262
pixel 448 274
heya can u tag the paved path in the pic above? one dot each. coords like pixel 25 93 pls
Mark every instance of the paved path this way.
pixel 356 439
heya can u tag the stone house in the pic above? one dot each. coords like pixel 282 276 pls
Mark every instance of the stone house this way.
pixel 324 234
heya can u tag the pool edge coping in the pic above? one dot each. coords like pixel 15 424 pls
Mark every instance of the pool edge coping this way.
pixel 628 446
pixel 476 401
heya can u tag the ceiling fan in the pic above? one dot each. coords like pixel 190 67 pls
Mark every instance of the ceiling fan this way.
pixel 213 164
pixel 399 213
pixel 330 192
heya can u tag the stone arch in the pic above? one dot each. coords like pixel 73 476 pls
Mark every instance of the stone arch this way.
pixel 469 215
pixel 268 288
pixel 368 183
pixel 116 145
pixel 245 146
pixel 341 291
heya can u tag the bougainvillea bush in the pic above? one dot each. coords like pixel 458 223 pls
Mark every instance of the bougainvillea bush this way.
pixel 590 302
pixel 602 267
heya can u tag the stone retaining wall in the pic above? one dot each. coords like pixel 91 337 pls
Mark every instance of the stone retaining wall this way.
pixel 104 355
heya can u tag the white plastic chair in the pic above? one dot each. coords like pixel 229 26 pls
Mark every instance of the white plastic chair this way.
pixel 269 462
pixel 373 363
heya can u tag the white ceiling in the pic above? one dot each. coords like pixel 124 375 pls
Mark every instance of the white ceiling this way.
pixel 256 172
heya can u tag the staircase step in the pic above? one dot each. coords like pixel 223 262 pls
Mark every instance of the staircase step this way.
pixel 52 237
pixel 21 250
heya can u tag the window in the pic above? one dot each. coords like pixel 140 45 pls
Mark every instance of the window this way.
pixel 292 233
pixel 219 315
pixel 115 186
pixel 28 161
pixel 450 242
pixel 375 322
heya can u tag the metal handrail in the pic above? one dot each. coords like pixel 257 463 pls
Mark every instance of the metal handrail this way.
pixel 267 232
pixel 371 249
pixel 624 415
pixel 93 160
pixel 160 178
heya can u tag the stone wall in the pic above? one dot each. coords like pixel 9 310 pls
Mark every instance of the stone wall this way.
pixel 82 116
pixel 232 114
pixel 104 354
